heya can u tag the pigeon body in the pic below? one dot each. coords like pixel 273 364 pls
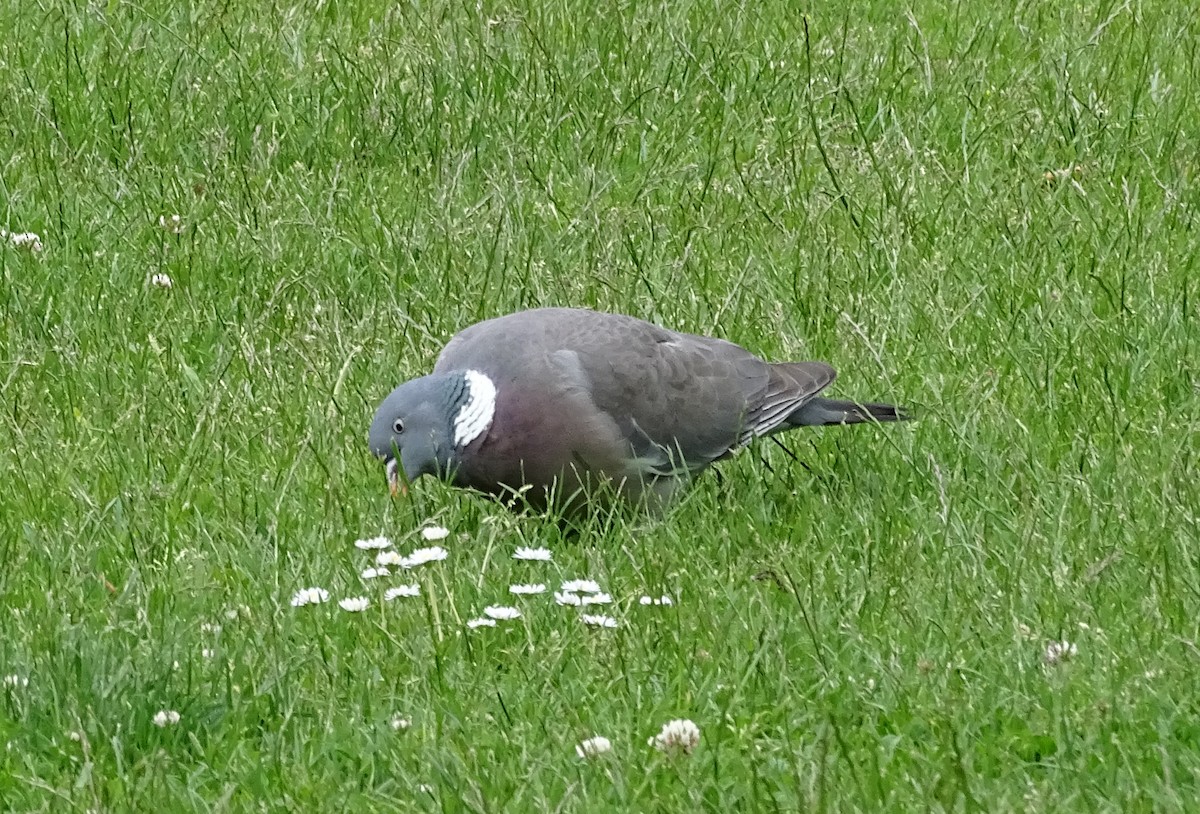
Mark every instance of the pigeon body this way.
pixel 554 402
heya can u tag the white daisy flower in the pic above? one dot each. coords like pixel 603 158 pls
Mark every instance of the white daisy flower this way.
pixel 172 224
pixel 680 735
pixel 502 612
pixel 401 591
pixel 161 280
pixel 567 599
pixel 1058 652
pixel 432 534
pixel 593 747
pixel 520 590
pixel 354 604
pixel 424 555
pixel 650 600
pixel 375 573
pixel 373 543
pixel 535 554
pixel 165 717
pixel 399 722
pixel 581 586
pixel 15 680
pixel 598 620
pixel 482 621
pixel 385 558
pixel 309 596
pixel 207 653
pixel 595 599
pixel 211 627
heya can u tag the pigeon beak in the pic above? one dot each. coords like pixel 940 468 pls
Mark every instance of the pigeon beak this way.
pixel 395 484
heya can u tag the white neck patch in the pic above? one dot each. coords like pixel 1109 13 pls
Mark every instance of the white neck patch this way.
pixel 475 415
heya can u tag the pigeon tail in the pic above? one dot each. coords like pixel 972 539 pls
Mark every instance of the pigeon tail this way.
pixel 821 411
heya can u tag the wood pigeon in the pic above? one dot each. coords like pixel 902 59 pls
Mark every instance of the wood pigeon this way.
pixel 550 403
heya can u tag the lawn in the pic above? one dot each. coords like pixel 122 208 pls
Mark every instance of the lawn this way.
pixel 254 220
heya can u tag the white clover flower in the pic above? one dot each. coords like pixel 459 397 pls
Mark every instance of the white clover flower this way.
pixel 309 596
pixel 520 590
pixel 373 543
pixel 15 680
pixel 424 555
pixel 482 621
pixel 1058 652
pixel 598 620
pixel 354 604
pixel 385 558
pixel 172 224
pixel 650 600
pixel 680 735
pixel 567 599
pixel 593 747
pixel 581 586
pixel 401 591
pixel 595 599
pixel 501 612
pixel 432 534
pixel 161 280
pixel 165 717
pixel 22 240
pixel 534 554
pixel 399 722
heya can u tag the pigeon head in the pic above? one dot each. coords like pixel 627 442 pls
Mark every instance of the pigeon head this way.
pixel 425 423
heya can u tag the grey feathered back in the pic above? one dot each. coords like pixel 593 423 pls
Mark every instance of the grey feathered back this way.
pixel 680 399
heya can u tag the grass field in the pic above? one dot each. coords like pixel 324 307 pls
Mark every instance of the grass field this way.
pixel 985 211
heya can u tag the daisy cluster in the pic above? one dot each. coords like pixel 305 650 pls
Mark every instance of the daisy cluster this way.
pixel 386 559
pixel 575 593
pixel 571 593
pixel 586 594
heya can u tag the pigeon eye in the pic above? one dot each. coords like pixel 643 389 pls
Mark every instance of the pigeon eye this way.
pixel 397 426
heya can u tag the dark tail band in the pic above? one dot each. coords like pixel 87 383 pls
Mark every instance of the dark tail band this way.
pixel 821 411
